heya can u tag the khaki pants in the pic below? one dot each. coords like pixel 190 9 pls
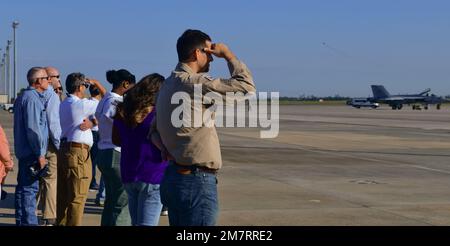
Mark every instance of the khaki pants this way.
pixel 74 177
pixel 47 185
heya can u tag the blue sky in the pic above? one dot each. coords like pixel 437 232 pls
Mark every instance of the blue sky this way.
pixel 322 47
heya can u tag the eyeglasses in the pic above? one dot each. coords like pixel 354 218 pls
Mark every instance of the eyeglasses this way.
pixel 53 76
pixel 41 78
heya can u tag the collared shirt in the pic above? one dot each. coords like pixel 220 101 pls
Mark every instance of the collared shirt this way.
pixel 196 145
pixel 30 125
pixel 106 110
pixel 72 111
pixel 52 110
pixel 95 128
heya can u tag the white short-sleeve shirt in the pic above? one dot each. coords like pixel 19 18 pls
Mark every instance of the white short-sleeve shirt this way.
pixel 72 111
pixel 106 110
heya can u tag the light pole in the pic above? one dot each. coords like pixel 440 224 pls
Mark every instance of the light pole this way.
pixel 1 73
pixel 15 24
pixel 4 76
pixel 8 69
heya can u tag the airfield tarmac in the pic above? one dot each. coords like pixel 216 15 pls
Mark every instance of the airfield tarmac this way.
pixel 330 165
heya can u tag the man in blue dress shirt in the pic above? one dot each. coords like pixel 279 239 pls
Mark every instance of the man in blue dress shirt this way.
pixel 47 185
pixel 30 143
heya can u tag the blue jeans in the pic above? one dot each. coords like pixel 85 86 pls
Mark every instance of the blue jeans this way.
pixel 144 203
pixel 25 196
pixel 190 196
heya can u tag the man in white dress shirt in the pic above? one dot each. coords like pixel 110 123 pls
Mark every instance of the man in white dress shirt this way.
pixel 74 162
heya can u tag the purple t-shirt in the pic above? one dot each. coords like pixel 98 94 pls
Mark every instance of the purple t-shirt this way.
pixel 140 159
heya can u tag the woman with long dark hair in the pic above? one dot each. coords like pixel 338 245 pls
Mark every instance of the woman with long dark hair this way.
pixel 141 165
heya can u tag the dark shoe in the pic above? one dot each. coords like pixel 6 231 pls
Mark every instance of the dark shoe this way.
pixel 100 202
pixel 48 222
pixel 93 186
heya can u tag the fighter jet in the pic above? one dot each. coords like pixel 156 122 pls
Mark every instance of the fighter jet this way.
pixel 381 95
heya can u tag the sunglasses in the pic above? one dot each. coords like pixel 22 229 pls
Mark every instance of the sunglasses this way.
pixel 58 89
pixel 53 76
pixel 41 78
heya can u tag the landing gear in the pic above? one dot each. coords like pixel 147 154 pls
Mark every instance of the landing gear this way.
pixel 425 106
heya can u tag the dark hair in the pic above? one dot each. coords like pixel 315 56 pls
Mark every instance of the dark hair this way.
pixel 189 41
pixel 138 100
pixel 73 81
pixel 117 77
pixel 94 91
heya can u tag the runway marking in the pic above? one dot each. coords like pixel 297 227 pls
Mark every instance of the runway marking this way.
pixel 429 169
pixel 396 123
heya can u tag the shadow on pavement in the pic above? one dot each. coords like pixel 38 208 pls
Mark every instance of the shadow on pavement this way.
pixel 8 202
pixel 8 185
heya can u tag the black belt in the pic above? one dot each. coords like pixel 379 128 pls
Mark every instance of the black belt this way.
pixel 201 168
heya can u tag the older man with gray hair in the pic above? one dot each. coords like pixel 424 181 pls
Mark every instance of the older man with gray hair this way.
pixel 47 185
pixel 54 78
pixel 30 144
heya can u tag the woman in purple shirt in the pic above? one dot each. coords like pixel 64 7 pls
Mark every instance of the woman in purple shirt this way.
pixel 141 166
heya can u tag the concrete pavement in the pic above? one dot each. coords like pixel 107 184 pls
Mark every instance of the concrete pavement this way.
pixel 330 165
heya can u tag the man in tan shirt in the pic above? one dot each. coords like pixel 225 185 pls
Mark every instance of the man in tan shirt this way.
pixel 189 187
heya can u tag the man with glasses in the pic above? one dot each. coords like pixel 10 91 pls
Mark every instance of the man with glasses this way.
pixel 47 184
pixel 189 186
pixel 59 90
pixel 74 161
pixel 30 144
pixel 55 81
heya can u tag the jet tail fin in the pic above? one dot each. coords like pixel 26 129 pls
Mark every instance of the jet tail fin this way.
pixel 379 92
pixel 425 92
